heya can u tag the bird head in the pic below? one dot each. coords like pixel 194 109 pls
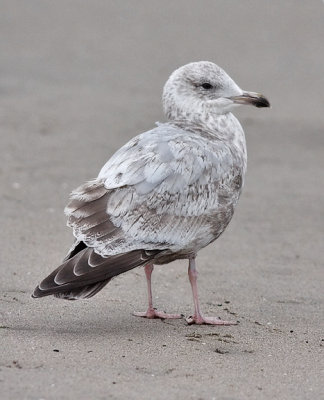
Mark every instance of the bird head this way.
pixel 203 88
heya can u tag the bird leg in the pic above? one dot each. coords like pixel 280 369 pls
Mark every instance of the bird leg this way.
pixel 152 312
pixel 198 318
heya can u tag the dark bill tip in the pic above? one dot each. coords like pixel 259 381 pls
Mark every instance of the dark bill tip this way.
pixel 260 102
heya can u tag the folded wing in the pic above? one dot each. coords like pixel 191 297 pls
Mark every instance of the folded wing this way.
pixel 157 192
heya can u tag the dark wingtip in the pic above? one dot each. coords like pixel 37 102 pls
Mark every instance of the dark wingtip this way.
pixel 37 293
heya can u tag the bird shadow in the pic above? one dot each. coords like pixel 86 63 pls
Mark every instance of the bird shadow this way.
pixel 125 325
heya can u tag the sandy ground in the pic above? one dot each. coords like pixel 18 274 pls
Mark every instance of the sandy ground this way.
pixel 77 80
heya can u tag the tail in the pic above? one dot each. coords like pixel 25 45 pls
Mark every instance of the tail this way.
pixel 85 273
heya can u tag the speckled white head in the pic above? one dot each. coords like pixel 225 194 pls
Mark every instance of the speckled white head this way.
pixel 202 88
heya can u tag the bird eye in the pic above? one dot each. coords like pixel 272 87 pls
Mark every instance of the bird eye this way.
pixel 207 86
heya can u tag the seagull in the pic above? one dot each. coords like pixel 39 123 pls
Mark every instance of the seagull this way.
pixel 164 195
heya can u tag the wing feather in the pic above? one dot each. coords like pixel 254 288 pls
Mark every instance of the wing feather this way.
pixel 84 274
pixel 157 192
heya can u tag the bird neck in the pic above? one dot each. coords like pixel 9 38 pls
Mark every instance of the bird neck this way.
pixel 218 126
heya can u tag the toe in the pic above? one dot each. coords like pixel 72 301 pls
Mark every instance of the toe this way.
pixel 201 320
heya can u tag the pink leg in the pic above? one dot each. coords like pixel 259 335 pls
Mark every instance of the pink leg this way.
pixel 198 318
pixel 151 312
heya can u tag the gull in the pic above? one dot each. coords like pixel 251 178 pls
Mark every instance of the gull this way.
pixel 164 195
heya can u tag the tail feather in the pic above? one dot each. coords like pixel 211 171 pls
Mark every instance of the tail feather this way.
pixel 86 273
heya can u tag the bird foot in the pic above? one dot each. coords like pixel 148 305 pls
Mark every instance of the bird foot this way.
pixel 200 320
pixel 153 313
